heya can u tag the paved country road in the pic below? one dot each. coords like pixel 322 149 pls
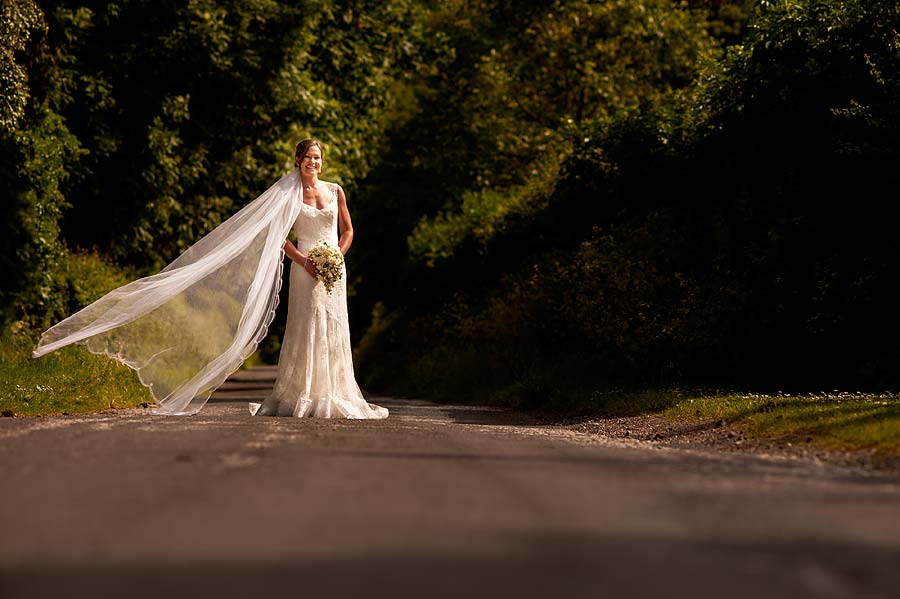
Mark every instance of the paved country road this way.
pixel 436 501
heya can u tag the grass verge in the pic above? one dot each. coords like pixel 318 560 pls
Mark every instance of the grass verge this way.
pixel 850 421
pixel 70 380
pixel 846 421
pixel 574 387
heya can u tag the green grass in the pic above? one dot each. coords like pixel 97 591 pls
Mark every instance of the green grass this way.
pixel 574 388
pixel 839 420
pixel 848 421
pixel 70 380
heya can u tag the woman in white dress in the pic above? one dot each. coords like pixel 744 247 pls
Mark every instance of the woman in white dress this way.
pixel 315 368
pixel 188 327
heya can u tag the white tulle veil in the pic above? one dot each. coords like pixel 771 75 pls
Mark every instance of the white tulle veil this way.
pixel 186 328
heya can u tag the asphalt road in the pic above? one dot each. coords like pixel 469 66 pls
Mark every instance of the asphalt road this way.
pixel 435 501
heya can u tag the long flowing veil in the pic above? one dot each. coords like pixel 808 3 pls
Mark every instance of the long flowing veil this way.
pixel 186 328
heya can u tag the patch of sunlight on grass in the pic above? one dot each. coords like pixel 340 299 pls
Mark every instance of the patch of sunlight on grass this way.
pixel 839 420
pixel 70 380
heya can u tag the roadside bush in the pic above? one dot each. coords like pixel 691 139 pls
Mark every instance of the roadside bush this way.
pixel 78 279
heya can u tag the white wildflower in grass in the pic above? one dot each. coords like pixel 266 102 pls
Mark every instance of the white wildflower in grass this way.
pixel 329 262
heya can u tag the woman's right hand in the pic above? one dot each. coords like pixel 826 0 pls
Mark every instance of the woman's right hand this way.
pixel 310 268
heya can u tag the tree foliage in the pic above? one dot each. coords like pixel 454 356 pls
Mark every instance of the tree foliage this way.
pixel 648 192
pixel 213 113
pixel 19 19
pixel 150 123
pixel 35 147
pixel 730 232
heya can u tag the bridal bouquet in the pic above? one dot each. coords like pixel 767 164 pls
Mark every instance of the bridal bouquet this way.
pixel 329 262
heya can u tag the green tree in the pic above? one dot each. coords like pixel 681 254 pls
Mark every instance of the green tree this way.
pixel 36 147
pixel 527 89
pixel 19 19
pixel 146 124
pixel 731 232
pixel 187 114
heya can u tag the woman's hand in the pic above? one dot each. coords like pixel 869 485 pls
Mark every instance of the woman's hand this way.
pixel 310 268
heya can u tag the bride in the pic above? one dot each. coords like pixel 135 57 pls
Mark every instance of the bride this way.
pixel 315 368
pixel 186 328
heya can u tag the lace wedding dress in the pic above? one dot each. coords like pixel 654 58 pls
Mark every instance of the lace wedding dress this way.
pixel 315 368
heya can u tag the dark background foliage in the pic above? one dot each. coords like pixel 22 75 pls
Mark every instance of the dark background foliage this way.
pixel 550 197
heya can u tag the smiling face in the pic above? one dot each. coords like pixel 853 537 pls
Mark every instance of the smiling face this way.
pixel 309 157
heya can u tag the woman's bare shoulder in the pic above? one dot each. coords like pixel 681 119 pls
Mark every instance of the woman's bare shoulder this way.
pixel 335 187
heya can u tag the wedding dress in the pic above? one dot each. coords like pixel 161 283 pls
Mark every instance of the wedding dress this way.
pixel 315 368
pixel 188 327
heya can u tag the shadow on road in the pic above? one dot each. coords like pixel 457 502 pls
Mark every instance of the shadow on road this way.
pixel 535 566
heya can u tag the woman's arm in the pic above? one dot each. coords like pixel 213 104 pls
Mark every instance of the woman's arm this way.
pixel 293 253
pixel 345 225
pixel 297 256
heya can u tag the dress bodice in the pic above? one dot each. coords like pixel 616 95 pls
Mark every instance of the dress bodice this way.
pixel 313 224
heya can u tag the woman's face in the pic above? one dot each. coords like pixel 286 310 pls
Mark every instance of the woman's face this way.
pixel 311 161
